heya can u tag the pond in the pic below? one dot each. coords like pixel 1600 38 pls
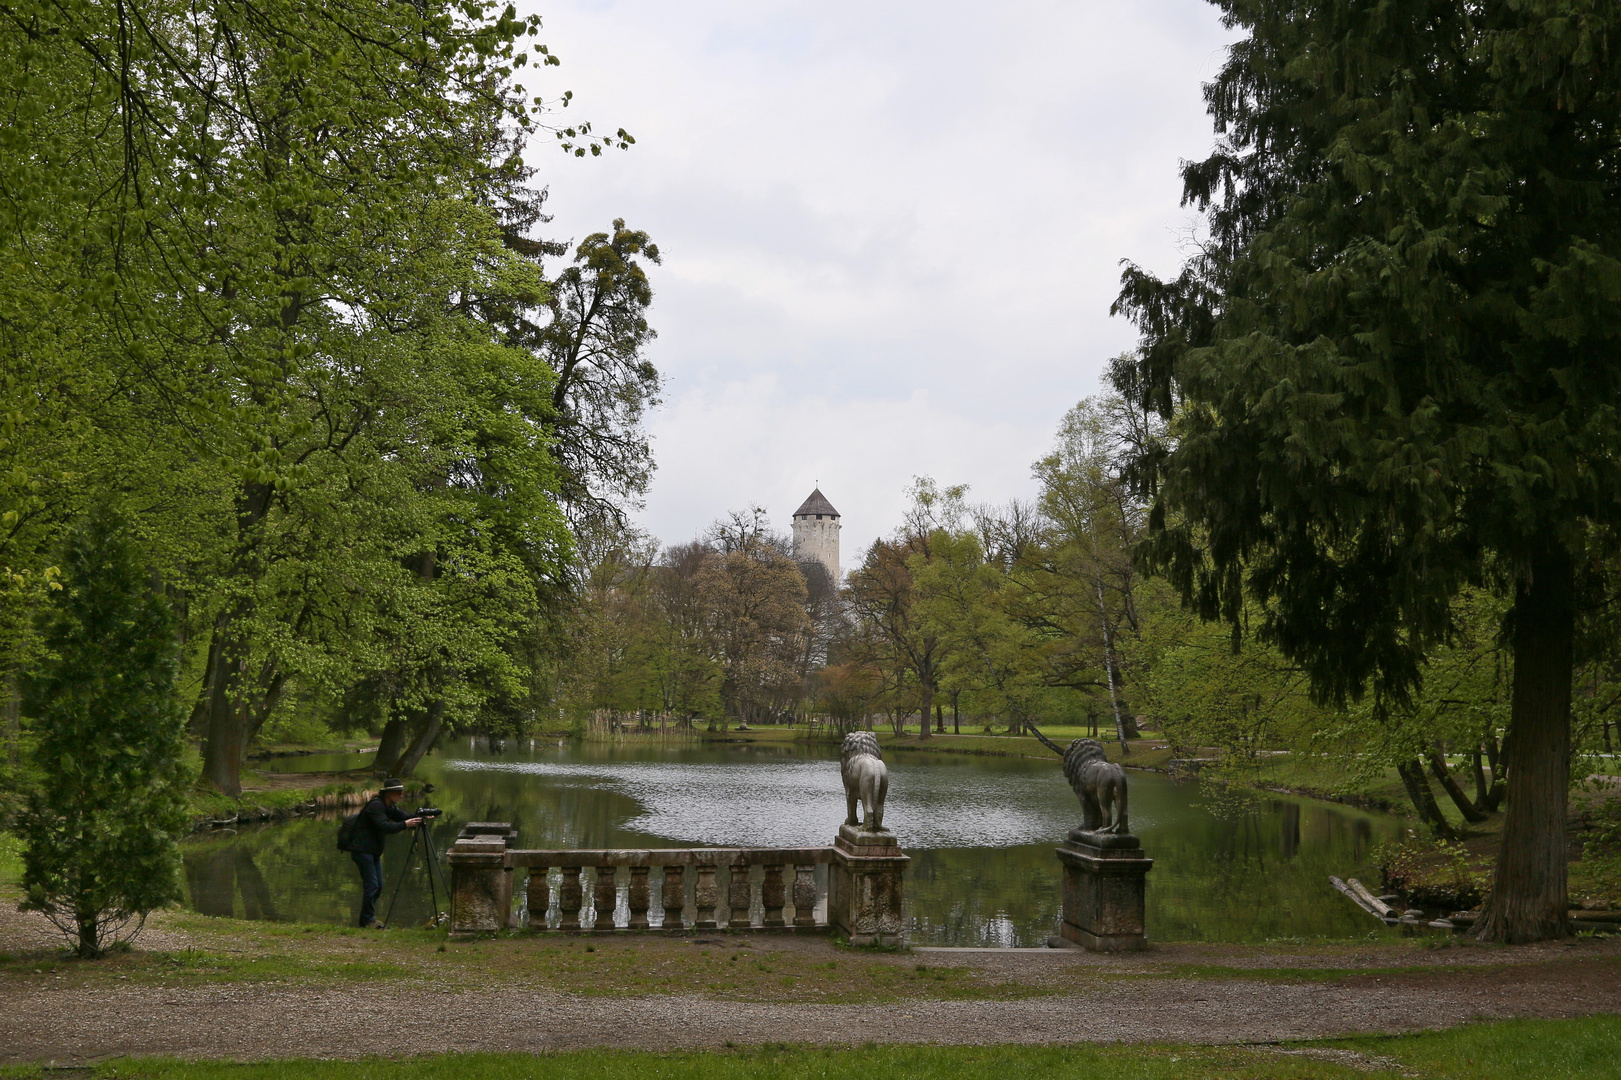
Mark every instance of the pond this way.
pixel 980 831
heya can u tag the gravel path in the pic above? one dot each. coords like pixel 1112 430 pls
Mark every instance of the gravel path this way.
pixel 242 1021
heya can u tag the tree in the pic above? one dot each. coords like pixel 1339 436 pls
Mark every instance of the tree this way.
pixel 108 798
pixel 754 597
pixel 688 672
pixel 961 602
pixel 883 591
pixel 604 384
pixel 1094 521
pixel 1391 369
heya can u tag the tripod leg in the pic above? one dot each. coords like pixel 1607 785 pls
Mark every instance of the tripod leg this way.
pixel 400 880
pixel 435 867
pixel 430 861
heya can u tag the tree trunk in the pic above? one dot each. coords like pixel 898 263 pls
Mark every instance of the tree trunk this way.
pixel 1494 795
pixel 1109 668
pixel 89 920
pixel 233 712
pixel 389 746
pixel 1418 789
pixel 1529 900
pixel 956 714
pixel 225 716
pixel 426 736
pixel 1483 790
pixel 1438 767
pixel 223 741
pixel 923 714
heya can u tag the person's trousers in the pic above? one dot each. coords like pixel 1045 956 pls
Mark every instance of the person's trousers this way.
pixel 371 884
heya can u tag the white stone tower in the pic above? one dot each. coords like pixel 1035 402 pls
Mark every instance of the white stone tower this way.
pixel 816 533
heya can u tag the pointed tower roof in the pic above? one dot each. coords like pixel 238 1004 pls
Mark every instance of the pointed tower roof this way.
pixel 816 504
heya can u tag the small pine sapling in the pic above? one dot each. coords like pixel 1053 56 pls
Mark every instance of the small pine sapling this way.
pixel 107 801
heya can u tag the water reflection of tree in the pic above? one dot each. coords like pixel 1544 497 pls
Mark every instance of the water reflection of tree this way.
pixel 211 876
pixel 256 898
pixel 216 872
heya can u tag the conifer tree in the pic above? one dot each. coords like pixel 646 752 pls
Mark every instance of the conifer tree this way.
pixel 1393 366
pixel 109 794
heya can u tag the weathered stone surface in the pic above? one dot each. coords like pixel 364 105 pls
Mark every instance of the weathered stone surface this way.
pixel 570 898
pixel 737 889
pixel 604 898
pixel 480 883
pixel 865 887
pixel 1104 884
pixel 773 895
pixel 638 897
pixel 704 895
pixel 816 533
pixel 805 894
pixel 675 895
pixel 539 900
pixel 866 780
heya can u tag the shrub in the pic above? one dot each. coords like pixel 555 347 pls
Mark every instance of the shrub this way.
pixel 1431 873
pixel 107 798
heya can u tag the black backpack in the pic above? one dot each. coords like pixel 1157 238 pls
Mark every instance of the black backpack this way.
pixel 347 832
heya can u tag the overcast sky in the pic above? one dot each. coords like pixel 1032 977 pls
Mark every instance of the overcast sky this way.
pixel 891 231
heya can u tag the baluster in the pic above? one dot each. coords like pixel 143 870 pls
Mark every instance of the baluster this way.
pixel 739 889
pixel 605 899
pixel 675 896
pixel 771 895
pixel 570 898
pixel 704 894
pixel 540 897
pixel 804 894
pixel 638 898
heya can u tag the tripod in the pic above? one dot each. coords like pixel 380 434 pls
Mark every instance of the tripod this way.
pixel 423 835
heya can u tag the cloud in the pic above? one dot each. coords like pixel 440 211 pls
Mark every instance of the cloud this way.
pixel 892 231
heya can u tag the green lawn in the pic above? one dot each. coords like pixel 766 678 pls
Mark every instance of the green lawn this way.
pixel 1513 1050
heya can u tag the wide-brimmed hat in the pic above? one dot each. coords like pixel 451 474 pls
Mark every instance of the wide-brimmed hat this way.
pixel 393 783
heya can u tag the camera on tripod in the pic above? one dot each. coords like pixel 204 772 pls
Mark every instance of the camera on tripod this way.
pixel 422 839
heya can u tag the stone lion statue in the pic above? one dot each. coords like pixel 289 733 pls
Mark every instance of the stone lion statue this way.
pixel 866 779
pixel 1097 782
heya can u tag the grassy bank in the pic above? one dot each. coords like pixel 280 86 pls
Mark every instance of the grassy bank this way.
pixel 293 793
pixel 1147 753
pixel 1511 1050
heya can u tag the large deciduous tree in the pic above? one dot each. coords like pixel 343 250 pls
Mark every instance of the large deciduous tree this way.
pixel 258 270
pixel 754 597
pixel 1392 368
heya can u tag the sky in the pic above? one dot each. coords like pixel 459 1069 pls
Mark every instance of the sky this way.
pixel 891 231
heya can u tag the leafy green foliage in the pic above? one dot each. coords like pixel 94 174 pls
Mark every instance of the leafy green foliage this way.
pixel 109 794
pixel 1389 372
pixel 263 275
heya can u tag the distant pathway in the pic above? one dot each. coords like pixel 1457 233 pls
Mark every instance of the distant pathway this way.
pixel 42 1023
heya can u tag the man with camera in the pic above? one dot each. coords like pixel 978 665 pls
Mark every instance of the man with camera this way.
pixel 379 818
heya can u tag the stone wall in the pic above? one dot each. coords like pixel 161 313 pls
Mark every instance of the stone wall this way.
pixel 819 540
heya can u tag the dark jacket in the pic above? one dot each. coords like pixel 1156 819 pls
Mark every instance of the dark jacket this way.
pixel 377 820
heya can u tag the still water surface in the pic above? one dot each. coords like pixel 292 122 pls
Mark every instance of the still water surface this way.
pixel 980 830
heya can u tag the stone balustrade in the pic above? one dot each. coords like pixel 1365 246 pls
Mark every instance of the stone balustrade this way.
pixel 786 883
pixel 784 891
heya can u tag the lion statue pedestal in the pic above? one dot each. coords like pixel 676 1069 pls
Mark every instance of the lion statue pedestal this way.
pixel 865 878
pixel 1105 872
pixel 1104 882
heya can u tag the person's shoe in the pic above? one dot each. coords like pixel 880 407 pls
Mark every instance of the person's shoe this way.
pixel 375 925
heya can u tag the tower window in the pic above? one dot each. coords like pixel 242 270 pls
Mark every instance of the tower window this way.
pixel 818 517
